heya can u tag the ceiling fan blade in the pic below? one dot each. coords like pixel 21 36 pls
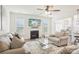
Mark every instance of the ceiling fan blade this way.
pixel 39 9
pixel 56 10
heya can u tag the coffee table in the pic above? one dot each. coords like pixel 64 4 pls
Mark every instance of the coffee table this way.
pixel 46 46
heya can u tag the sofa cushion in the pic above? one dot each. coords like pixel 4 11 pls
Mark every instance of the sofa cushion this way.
pixel 6 40
pixel 16 42
pixel 8 35
pixel 63 37
pixel 69 49
pixel 54 39
pixel 3 46
pixel 59 34
pixel 15 51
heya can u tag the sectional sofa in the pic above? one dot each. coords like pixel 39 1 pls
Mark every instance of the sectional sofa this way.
pixel 15 44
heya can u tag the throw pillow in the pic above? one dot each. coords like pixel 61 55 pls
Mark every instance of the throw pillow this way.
pixel 18 36
pixel 16 42
pixel 6 40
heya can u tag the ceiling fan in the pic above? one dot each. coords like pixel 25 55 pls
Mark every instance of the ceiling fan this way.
pixel 49 8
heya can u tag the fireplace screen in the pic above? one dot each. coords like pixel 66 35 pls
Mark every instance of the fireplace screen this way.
pixel 34 34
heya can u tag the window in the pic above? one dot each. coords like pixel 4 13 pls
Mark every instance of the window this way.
pixel 45 25
pixel 59 25
pixel 67 23
pixel 76 24
pixel 20 25
pixel 63 24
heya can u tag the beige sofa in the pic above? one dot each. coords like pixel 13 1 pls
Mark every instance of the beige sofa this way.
pixel 71 49
pixel 9 45
pixel 59 39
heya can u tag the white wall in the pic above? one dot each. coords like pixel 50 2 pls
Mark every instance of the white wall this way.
pixel 5 20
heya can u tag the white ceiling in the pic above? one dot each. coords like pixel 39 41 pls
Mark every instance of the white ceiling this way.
pixel 66 10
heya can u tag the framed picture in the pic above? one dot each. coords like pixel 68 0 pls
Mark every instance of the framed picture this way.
pixel 34 23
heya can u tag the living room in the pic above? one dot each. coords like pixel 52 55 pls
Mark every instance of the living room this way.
pixel 39 29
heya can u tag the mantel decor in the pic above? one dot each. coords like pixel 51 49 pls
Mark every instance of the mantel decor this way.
pixel 34 23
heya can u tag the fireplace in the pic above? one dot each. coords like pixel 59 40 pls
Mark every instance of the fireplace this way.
pixel 34 34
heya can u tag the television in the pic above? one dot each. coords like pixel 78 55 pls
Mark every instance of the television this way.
pixel 34 23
